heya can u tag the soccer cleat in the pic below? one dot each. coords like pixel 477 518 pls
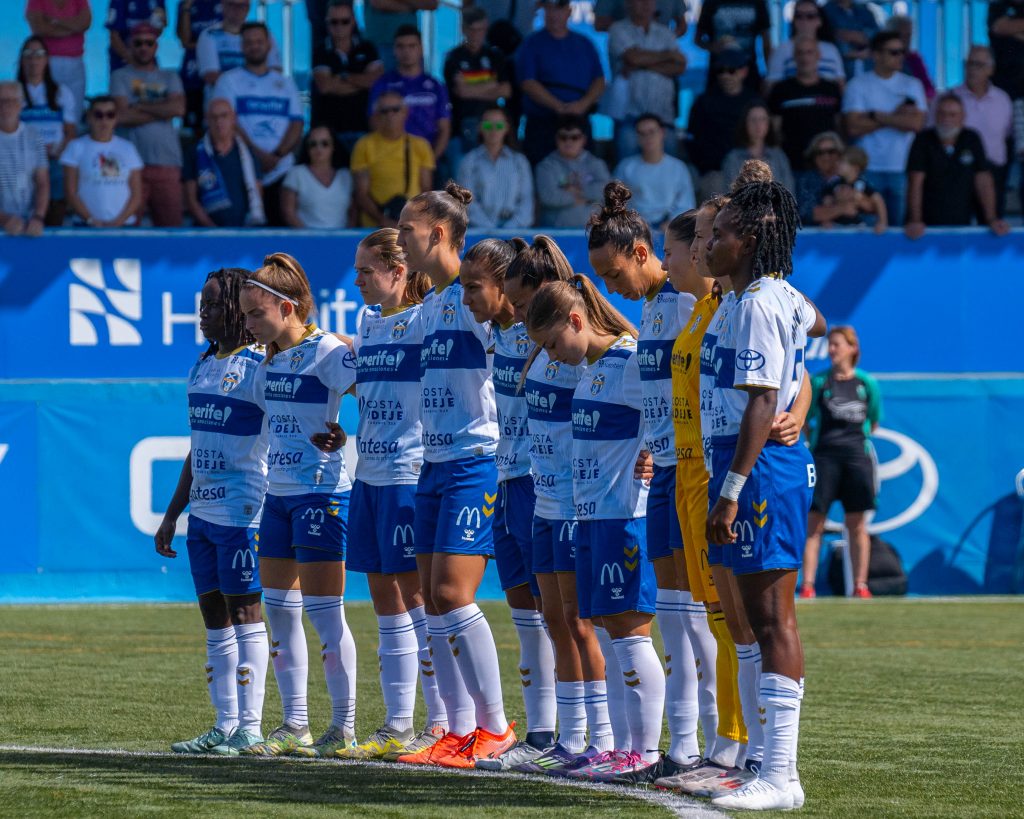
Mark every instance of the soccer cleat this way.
pixel 579 761
pixel 758 794
pixel 693 780
pixel 385 743
pixel 807 592
pixel 282 740
pixel 485 746
pixel 727 783
pixel 518 754
pixel 672 772
pixel 448 743
pixel 599 765
pixel 550 762
pixel 797 790
pixel 456 756
pixel 239 739
pixel 328 744
pixel 202 744
pixel 634 770
pixel 862 592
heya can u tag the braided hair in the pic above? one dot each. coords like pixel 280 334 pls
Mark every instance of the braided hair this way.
pixel 769 213
pixel 230 280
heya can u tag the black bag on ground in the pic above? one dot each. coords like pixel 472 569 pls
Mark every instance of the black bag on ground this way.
pixel 885 571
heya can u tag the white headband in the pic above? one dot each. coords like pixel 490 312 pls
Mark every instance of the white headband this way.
pixel 270 289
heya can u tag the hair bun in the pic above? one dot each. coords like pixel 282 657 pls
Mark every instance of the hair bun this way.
pixel 456 191
pixel 616 195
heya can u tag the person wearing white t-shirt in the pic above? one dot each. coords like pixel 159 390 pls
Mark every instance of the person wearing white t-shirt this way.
pixel 883 110
pixel 661 184
pixel 316 194
pixel 269 114
pixel 103 172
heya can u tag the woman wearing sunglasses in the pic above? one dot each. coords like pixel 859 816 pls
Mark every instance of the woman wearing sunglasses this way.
pixel 823 162
pixel 501 175
pixel 317 193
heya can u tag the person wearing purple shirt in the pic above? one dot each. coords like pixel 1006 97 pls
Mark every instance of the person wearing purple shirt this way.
pixel 122 17
pixel 425 97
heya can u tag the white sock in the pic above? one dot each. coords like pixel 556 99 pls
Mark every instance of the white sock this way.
pixel 458 705
pixel 436 715
pixel 621 739
pixel 289 652
pixel 253 658
pixel 477 658
pixel 397 653
pixel 705 656
pixel 680 678
pixel 780 699
pixel 572 716
pixel 327 614
pixel 221 661
pixel 595 700
pixel 536 670
pixel 645 693
pixel 793 772
pixel 749 657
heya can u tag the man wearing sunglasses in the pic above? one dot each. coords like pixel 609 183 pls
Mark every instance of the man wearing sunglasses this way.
pixel 219 47
pixel 148 99
pixel 122 17
pixel 883 109
pixel 570 180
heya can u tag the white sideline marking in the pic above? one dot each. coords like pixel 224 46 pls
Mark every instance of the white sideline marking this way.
pixel 679 806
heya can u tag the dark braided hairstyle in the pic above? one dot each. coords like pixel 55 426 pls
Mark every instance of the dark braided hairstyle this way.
pixel 768 212
pixel 230 280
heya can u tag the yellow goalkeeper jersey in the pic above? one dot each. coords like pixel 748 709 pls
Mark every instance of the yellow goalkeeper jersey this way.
pixel 686 380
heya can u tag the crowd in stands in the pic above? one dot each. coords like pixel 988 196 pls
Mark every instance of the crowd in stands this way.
pixel 845 115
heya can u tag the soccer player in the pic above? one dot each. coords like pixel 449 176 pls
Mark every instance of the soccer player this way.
pixel 223 480
pixel 482 275
pixel 615 580
pixel 303 533
pixel 458 485
pixel 621 252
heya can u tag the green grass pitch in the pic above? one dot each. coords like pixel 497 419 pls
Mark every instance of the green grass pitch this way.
pixel 913 708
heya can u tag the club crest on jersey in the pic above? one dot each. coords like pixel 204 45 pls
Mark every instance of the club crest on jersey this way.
pixel 696 324
pixel 296 360
pixel 658 324
pixel 448 313
pixel 551 371
pixel 398 331
pixel 597 384
pixel 522 343
pixel 230 381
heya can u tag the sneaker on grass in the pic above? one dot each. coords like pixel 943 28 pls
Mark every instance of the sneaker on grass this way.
pixel 202 744
pixel 384 743
pixel 520 753
pixel 282 740
pixel 239 739
pixel 328 744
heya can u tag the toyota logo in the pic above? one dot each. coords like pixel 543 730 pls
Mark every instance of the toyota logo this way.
pixel 749 360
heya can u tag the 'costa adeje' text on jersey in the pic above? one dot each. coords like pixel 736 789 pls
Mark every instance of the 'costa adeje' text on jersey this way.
pixel 456 393
pixel 229 438
pixel 388 387
pixel 607 436
pixel 549 391
pixel 303 386
pixel 686 380
pixel 511 349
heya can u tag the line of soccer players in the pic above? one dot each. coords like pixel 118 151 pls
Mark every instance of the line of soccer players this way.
pixel 507 410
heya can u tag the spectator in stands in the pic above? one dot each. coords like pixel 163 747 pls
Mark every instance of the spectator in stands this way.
pixel 508 18
pixel 807 22
pixel 316 13
pixel 148 99
pixel 62 25
pixel 755 140
pixel 102 171
pixel 343 74
pixel 222 186
pixel 716 113
pixel 661 184
pixel 913 62
pixel 570 180
pixel 806 103
pixel 1006 34
pixel 736 24
pixel 269 113
pixel 24 178
pixel 989 111
pixel 646 61
pixel 219 47
pixel 500 178
pixel 669 13
pixel 122 17
pixel 194 17
pixel 426 98
pixel 946 170
pixel 822 155
pixel 560 74
pixel 853 26
pixel 883 110
pixel 317 193
pixel 389 165
pixel 477 75
pixel 50 108
pixel 847 197
pixel 385 18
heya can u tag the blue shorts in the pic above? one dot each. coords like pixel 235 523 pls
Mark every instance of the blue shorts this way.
pixel 513 534
pixel 380 528
pixel 613 574
pixel 771 523
pixel 554 545
pixel 223 558
pixel 661 505
pixel 455 503
pixel 309 528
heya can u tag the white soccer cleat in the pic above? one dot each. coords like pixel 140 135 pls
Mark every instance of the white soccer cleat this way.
pixel 797 790
pixel 757 795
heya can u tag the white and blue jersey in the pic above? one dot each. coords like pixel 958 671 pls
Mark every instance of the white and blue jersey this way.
pixel 229 438
pixel 219 50
pixel 457 395
pixel 390 434
pixel 607 436
pixel 512 347
pixel 302 388
pixel 712 410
